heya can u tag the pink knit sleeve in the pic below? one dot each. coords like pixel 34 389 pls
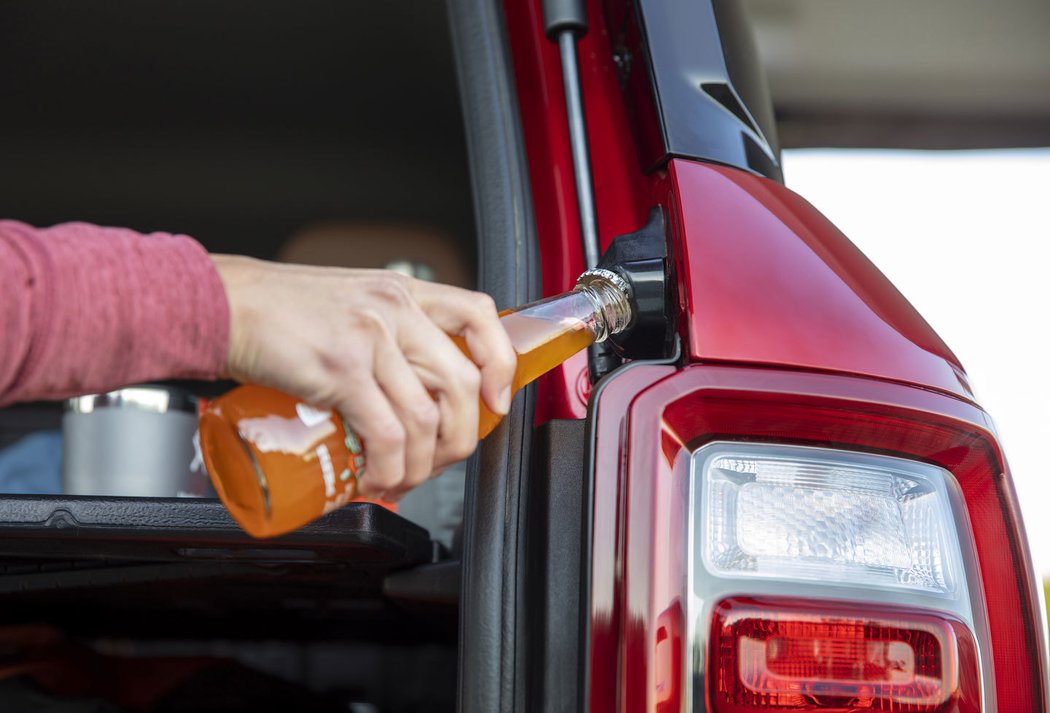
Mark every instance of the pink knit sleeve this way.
pixel 86 309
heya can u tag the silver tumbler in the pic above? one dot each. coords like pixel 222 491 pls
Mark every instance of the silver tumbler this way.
pixel 138 441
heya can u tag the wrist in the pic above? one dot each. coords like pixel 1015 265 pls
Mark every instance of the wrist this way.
pixel 237 274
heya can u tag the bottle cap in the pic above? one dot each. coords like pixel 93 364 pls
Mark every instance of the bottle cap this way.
pixel 601 273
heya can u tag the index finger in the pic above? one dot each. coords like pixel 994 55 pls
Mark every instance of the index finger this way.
pixel 473 316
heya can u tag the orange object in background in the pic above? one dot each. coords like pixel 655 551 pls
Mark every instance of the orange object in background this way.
pixel 278 463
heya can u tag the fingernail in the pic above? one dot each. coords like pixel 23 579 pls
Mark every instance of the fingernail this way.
pixel 504 402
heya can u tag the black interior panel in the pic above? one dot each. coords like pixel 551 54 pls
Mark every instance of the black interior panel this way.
pixel 236 122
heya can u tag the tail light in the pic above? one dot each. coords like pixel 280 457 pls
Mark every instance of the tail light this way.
pixel 860 526
pixel 829 544
pixel 777 655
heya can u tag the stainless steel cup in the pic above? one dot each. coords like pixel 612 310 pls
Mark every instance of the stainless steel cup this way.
pixel 138 441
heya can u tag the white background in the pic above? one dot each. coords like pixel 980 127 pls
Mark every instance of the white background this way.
pixel 965 236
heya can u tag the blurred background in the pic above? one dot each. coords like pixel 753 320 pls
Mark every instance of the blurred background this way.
pixel 922 129
pixel 257 127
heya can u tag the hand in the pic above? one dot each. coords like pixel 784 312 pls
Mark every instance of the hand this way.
pixel 374 345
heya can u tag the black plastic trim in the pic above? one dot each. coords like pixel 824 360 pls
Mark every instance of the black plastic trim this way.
pixel 147 567
pixel 187 529
pixel 491 663
pixel 641 259
pixel 694 84
pixel 553 550
pixel 435 583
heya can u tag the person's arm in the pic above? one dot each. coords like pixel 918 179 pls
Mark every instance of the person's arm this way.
pixel 87 309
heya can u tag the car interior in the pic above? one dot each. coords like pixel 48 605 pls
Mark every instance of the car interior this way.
pixel 319 133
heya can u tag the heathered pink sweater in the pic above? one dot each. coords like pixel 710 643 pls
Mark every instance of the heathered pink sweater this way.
pixel 86 309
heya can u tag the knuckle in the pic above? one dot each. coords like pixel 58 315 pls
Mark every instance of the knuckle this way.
pixel 462 446
pixel 470 377
pixel 484 304
pixel 507 362
pixel 388 435
pixel 420 475
pixel 343 385
pixel 335 359
pixel 369 321
pixel 426 414
pixel 392 289
pixel 383 479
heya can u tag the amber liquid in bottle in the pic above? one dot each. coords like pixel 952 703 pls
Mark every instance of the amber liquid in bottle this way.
pixel 278 463
pixel 541 345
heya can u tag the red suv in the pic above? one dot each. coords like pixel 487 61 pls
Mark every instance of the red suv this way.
pixel 777 493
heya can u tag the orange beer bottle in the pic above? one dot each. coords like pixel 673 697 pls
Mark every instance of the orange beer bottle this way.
pixel 278 463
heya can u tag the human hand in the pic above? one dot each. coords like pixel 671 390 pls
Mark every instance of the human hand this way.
pixel 374 345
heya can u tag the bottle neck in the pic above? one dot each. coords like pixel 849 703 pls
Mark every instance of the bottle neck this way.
pixel 610 297
pixel 599 305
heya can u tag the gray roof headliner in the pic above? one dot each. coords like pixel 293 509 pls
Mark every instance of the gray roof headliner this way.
pixel 931 73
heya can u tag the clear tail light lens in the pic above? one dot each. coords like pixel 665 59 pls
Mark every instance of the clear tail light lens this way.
pixel 777 655
pixel 791 512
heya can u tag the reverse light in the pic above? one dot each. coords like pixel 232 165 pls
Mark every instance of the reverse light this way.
pixel 779 655
pixel 801 513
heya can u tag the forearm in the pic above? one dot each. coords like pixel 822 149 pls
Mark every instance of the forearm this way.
pixel 87 309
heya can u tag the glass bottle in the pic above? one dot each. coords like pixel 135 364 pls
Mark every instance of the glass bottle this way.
pixel 278 463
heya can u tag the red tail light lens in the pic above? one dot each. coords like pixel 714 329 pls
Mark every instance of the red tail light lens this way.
pixel 770 655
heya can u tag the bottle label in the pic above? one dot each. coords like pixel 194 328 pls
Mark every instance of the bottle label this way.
pixel 311 416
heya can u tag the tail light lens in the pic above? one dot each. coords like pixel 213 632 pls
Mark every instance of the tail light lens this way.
pixel 845 524
pixel 830 516
pixel 776 655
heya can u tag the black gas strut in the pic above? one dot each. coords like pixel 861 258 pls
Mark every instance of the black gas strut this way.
pixel 565 20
